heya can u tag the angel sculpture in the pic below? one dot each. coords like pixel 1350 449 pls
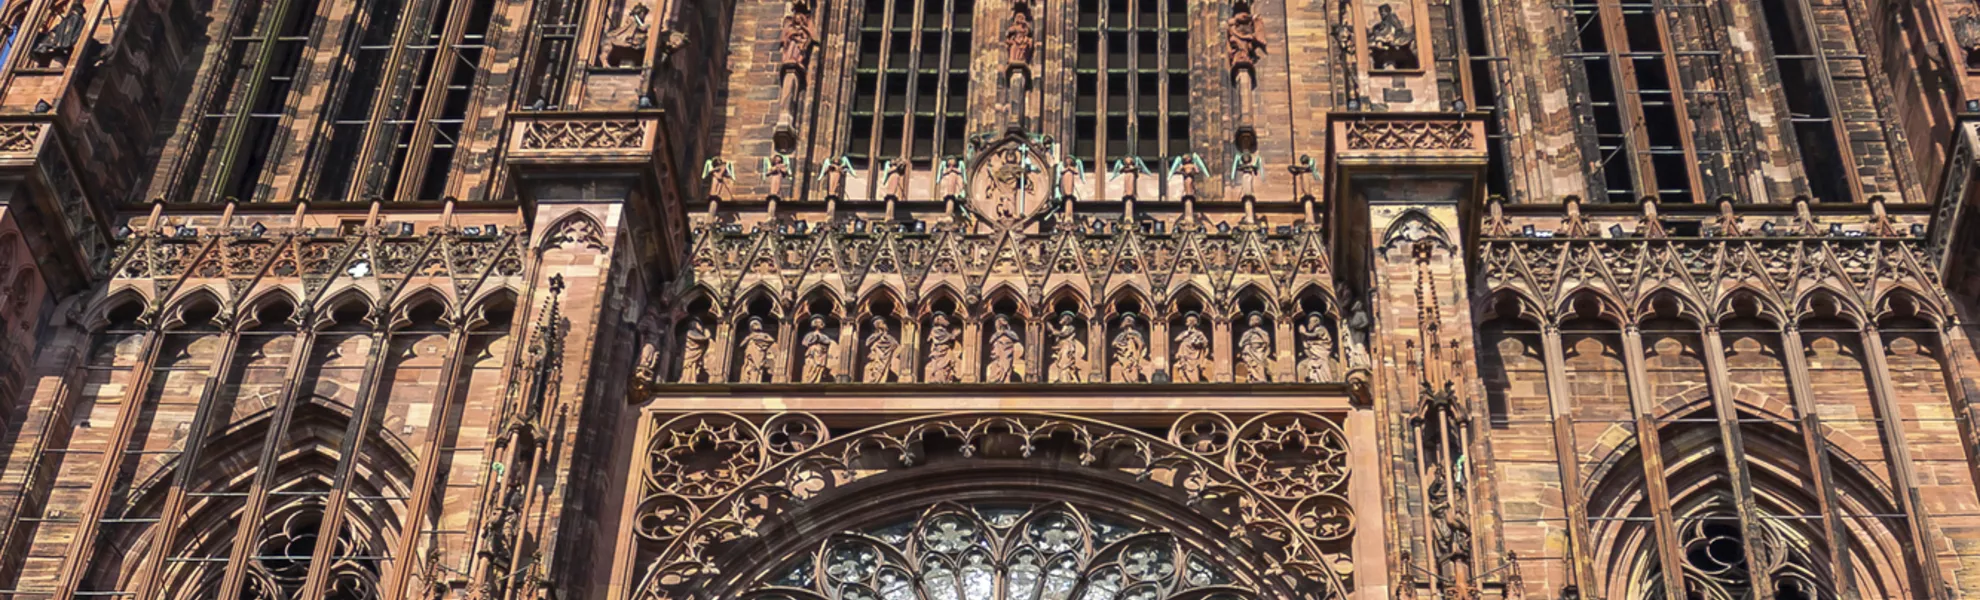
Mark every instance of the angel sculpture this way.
pixel 1246 167
pixel 894 179
pixel 721 177
pixel 1132 168
pixel 1191 170
pixel 1302 172
pixel 1006 354
pixel 776 169
pixel 954 182
pixel 1071 172
pixel 819 348
pixel 832 177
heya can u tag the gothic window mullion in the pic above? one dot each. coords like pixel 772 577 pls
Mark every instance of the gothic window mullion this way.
pixel 1676 164
pixel 261 101
pixel 1732 445
pixel 450 91
pixel 354 115
pixel 1808 89
pixel 1635 147
pixel 1479 72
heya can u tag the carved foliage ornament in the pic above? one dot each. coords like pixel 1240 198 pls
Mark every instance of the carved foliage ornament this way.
pixel 1275 485
pixel 1410 135
pixel 583 135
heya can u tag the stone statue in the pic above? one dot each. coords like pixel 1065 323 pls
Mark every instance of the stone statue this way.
pixel 1242 41
pixel 1192 356
pixel 625 45
pixel 797 37
pixel 776 169
pixel 1303 173
pixel 755 366
pixel 647 370
pixel 1130 170
pixel 694 352
pixel 942 352
pixel 1358 325
pixel 1006 362
pixel 721 178
pixel 1130 353
pixel 953 180
pixel 55 44
pixel 1317 364
pixel 1068 352
pixel 1190 170
pixel 1071 171
pixel 818 350
pixel 894 180
pixel 1018 40
pixel 832 177
pixel 1245 169
pixel 1255 350
pixel 1391 44
pixel 1966 33
pixel 883 355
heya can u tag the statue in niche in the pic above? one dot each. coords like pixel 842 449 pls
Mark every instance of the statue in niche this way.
pixel 1358 325
pixel 625 45
pixel 953 181
pixel 1317 364
pixel 1130 353
pixel 1068 352
pixel 647 369
pixel 1192 359
pixel 832 177
pixel 1255 350
pixel 818 350
pixel 1130 170
pixel 756 354
pixel 1966 32
pixel 1187 172
pixel 797 41
pixel 883 355
pixel 894 179
pixel 54 44
pixel 1071 172
pixel 694 352
pixel 942 352
pixel 776 170
pixel 1018 40
pixel 1006 362
pixel 720 176
pixel 1391 44
pixel 1241 39
pixel 1006 177
pixel 1245 169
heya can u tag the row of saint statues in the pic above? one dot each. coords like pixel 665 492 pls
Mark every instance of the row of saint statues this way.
pixel 885 358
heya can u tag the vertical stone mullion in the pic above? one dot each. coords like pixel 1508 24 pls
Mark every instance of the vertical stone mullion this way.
pixel 350 454
pixel 1580 570
pixel 1649 445
pixel 242 550
pixel 1800 381
pixel 1883 394
pixel 1734 446
pixel 169 516
pixel 393 583
pixel 128 411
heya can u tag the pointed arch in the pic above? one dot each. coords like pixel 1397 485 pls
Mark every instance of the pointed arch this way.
pixel 1905 302
pixel 1668 300
pixel 125 304
pixel 1748 297
pixel 418 298
pixel 194 308
pixel 347 304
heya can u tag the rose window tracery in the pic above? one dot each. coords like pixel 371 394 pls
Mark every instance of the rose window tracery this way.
pixel 993 551
pixel 285 551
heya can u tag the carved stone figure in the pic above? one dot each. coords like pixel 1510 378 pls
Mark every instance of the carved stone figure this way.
pixel 942 352
pixel 894 180
pixel 720 176
pixel 1303 173
pixel 1006 361
pixel 1241 39
pixel 755 367
pixel 1966 32
pixel 1187 172
pixel 1391 44
pixel 1071 171
pixel 625 45
pixel 1130 353
pixel 1129 170
pixel 1245 169
pixel 1255 350
pixel 818 350
pixel 1358 325
pixel 1317 348
pixel 776 170
pixel 1192 355
pixel 1068 352
pixel 55 43
pixel 952 179
pixel 694 352
pixel 647 368
pixel 832 177
pixel 797 37
pixel 883 355
pixel 1018 40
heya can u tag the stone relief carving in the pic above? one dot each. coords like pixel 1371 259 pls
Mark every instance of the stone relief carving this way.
pixel 1192 353
pixel 1410 135
pixel 757 360
pixel 1005 363
pixel 1068 352
pixel 625 44
pixel 884 361
pixel 583 135
pixel 1130 361
pixel 1391 43
pixel 944 352
pixel 1255 349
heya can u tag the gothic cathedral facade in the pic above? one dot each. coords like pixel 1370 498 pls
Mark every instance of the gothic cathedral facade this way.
pixel 989 299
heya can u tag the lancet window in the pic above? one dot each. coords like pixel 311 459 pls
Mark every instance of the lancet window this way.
pixel 1635 132
pixel 1844 155
pixel 911 82
pixel 245 104
pixel 1131 79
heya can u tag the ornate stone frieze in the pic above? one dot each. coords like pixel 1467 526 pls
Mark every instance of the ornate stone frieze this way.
pixel 583 135
pixel 1410 135
pixel 20 137
pixel 1275 488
